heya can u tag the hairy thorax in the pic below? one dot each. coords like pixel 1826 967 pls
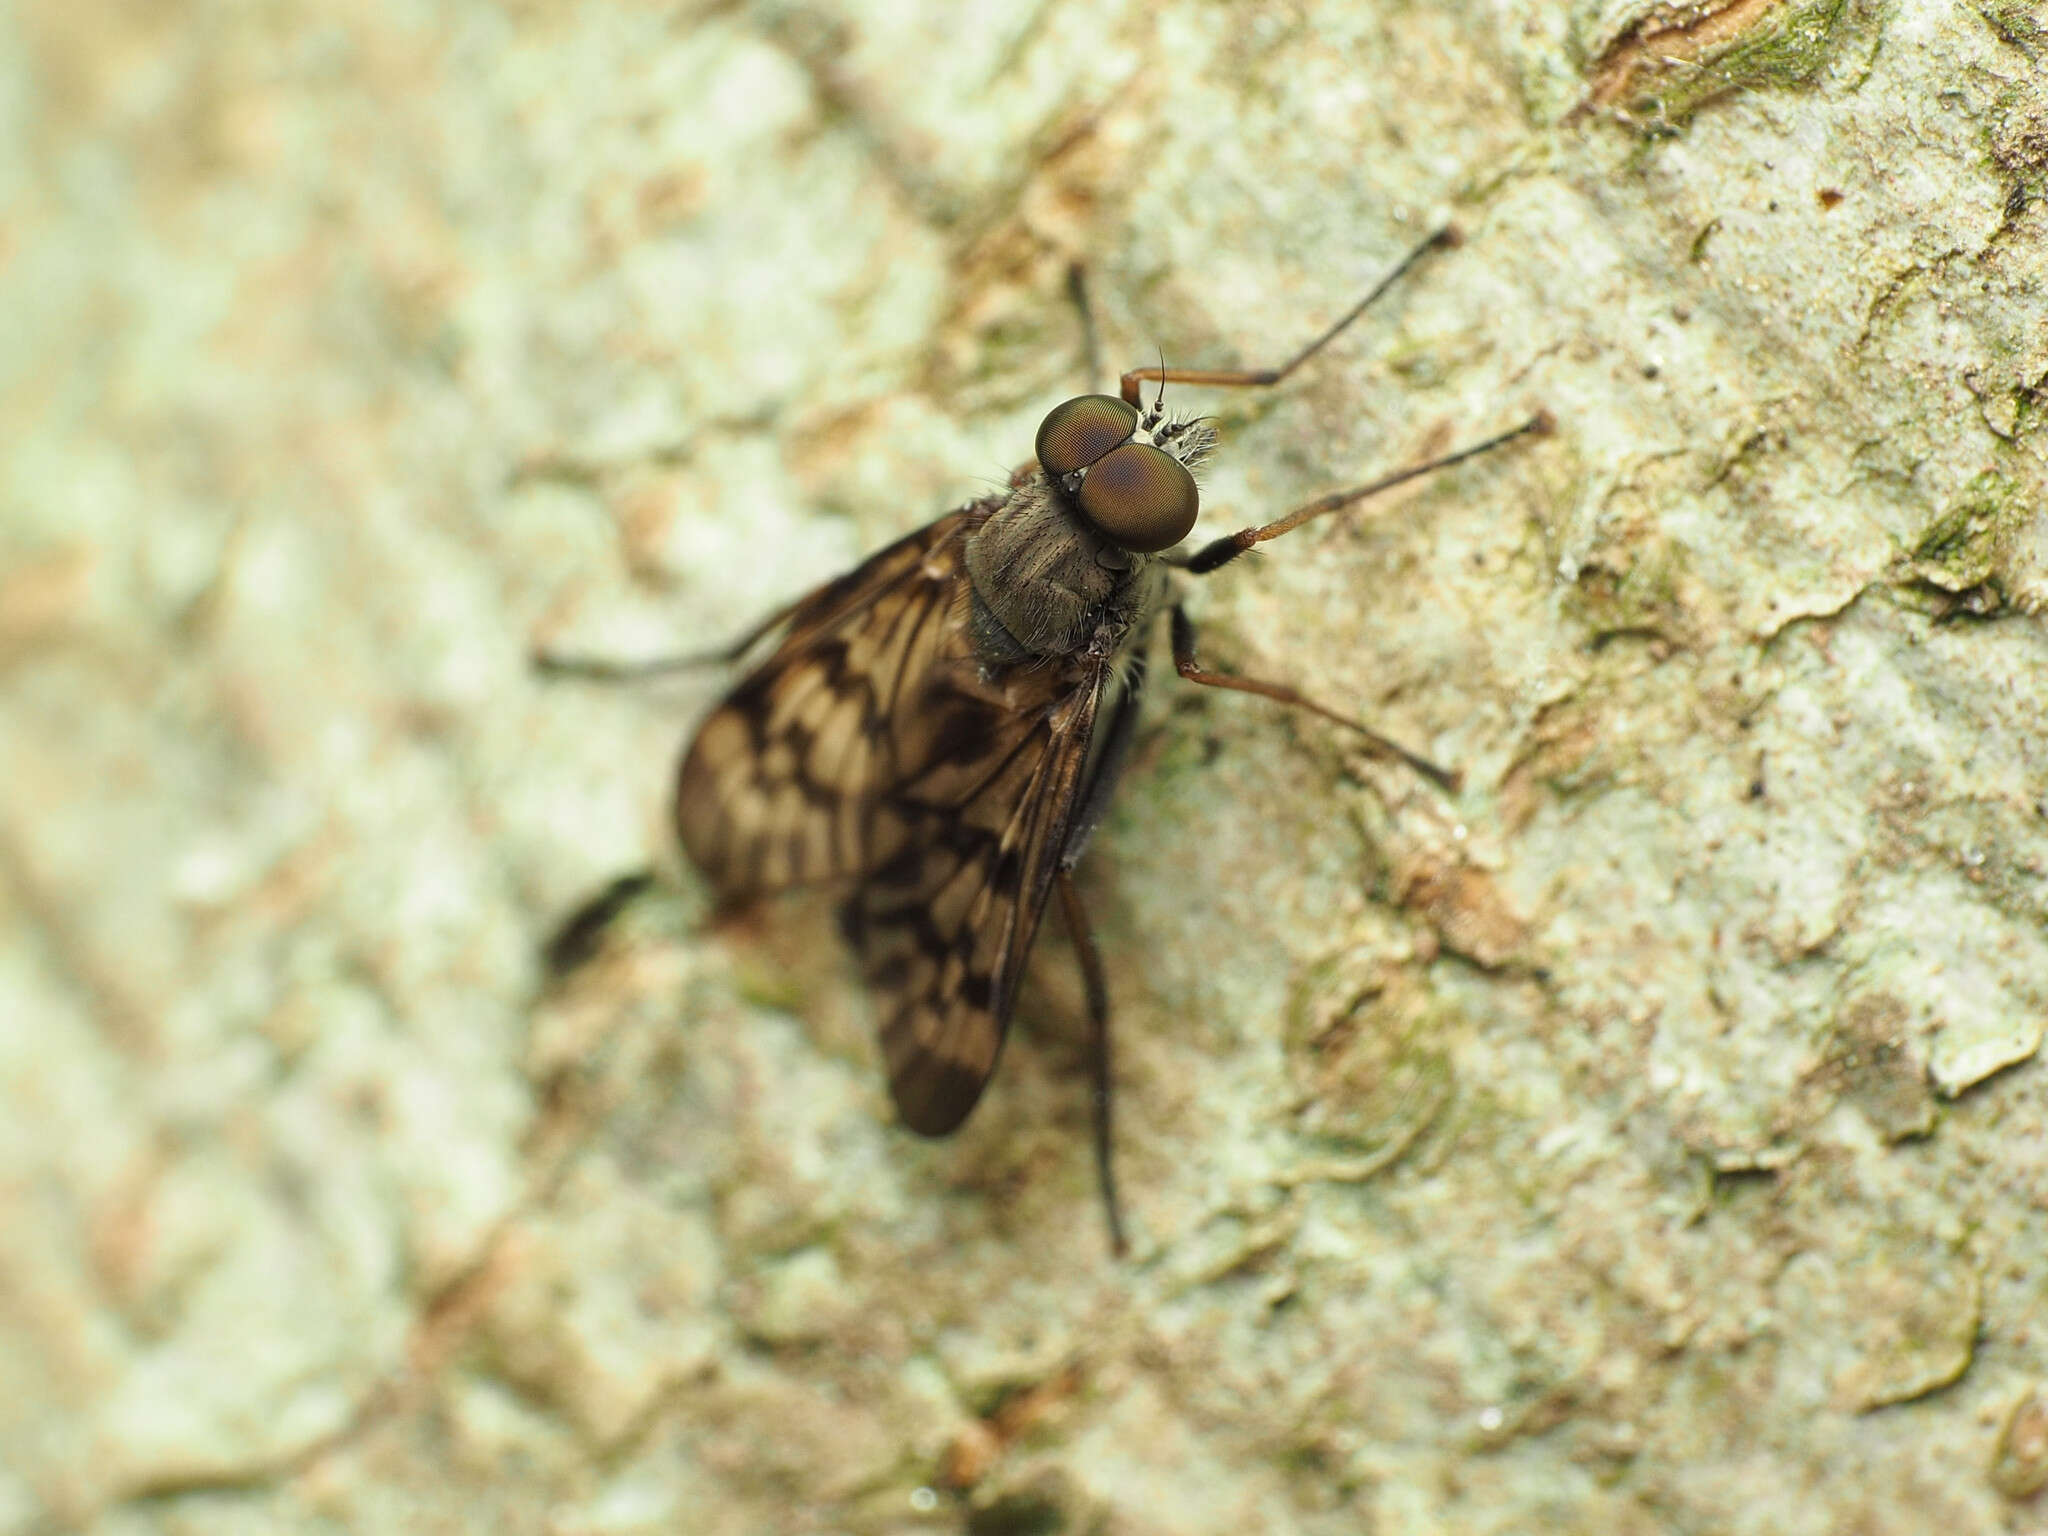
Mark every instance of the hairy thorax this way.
pixel 1044 581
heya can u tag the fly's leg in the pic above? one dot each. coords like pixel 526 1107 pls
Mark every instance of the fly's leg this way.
pixel 1185 663
pixel 581 934
pixel 1097 987
pixel 1091 345
pixel 1250 377
pixel 1091 349
pixel 1220 552
pixel 590 669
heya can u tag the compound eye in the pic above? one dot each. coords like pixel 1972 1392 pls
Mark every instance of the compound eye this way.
pixel 1077 432
pixel 1141 497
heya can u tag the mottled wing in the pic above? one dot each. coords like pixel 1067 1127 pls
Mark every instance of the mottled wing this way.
pixel 780 785
pixel 943 927
pixel 868 748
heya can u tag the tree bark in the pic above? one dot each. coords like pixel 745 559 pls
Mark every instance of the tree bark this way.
pixel 1645 1138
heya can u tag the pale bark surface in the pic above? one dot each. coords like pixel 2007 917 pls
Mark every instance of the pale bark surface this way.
pixel 1651 1138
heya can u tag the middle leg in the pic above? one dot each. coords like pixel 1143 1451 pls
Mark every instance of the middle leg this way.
pixel 1185 663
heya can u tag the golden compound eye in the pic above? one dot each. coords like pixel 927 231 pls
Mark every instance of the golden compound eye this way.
pixel 1141 497
pixel 1077 432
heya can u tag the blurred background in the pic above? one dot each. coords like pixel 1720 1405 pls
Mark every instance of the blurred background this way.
pixel 1649 1138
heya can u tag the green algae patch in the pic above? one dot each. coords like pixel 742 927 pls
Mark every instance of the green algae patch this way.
pixel 1971 543
pixel 1667 66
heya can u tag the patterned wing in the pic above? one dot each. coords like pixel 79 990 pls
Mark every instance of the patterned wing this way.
pixel 868 747
pixel 780 785
pixel 944 926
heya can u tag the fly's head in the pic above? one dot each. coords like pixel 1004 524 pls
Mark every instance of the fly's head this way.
pixel 1127 473
pixel 1076 541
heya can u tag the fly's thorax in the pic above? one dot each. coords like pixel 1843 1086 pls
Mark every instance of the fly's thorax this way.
pixel 1043 579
